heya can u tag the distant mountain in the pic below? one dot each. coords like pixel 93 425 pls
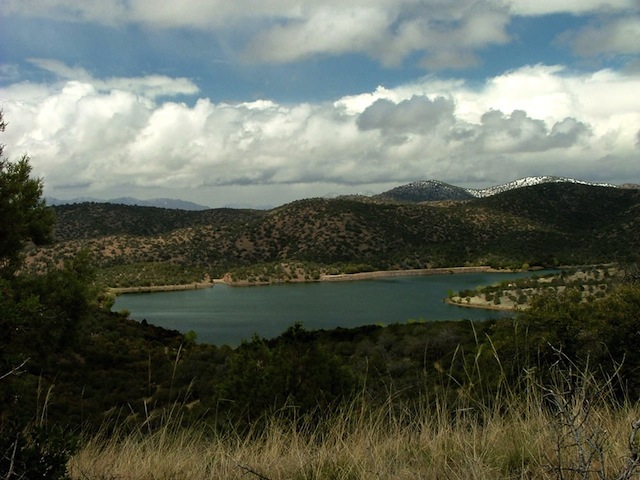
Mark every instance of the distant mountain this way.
pixel 414 192
pixel 435 190
pixel 160 203
pixel 169 203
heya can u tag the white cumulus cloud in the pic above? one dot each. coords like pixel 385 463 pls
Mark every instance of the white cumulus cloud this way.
pixel 109 134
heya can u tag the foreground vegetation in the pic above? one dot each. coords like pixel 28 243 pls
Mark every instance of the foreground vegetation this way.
pixel 547 434
pixel 551 393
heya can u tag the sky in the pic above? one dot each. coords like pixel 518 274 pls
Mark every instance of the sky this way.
pixel 256 103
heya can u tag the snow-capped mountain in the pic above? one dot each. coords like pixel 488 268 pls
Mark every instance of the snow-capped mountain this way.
pixel 528 182
pixel 435 190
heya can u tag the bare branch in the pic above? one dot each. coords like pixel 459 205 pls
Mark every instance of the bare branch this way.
pixel 15 370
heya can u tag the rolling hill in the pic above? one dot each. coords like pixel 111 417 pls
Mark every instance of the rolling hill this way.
pixel 550 223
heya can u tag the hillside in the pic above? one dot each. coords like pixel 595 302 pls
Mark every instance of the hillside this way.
pixel 435 190
pixel 94 220
pixel 551 223
pixel 426 191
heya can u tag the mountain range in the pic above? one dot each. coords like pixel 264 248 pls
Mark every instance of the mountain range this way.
pixel 414 192
pixel 549 223
pixel 435 190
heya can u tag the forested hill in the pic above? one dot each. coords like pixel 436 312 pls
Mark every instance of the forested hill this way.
pixel 555 223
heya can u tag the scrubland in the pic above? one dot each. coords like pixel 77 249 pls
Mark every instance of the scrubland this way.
pixel 569 429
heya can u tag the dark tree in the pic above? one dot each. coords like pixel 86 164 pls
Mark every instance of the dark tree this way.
pixel 24 216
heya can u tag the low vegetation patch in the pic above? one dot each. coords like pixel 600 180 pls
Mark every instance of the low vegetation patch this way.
pixel 592 282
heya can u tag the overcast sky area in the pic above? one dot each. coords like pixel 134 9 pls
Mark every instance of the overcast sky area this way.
pixel 256 103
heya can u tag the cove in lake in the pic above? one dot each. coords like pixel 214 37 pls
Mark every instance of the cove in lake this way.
pixel 227 315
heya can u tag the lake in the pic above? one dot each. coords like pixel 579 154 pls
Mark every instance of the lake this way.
pixel 227 315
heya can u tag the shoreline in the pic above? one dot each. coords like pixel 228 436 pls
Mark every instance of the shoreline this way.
pixel 161 288
pixel 495 308
pixel 352 277
pixel 339 277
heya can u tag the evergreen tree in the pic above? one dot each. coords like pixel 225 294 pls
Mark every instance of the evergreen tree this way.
pixel 37 316
pixel 24 215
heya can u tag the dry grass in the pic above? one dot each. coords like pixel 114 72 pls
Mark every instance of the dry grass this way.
pixel 518 439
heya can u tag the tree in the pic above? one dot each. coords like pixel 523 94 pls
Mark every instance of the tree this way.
pixel 33 312
pixel 24 215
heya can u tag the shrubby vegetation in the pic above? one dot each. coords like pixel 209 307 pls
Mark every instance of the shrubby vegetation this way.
pixel 277 272
pixel 588 282
pixel 149 274
pixel 294 271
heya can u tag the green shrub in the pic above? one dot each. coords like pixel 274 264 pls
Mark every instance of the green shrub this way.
pixel 35 452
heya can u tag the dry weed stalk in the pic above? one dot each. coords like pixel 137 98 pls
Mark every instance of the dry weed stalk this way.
pixel 634 452
pixel 582 443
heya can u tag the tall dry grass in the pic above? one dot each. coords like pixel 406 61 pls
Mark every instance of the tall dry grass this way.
pixel 570 430
pixel 571 426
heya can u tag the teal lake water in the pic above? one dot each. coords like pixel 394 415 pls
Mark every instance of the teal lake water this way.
pixel 227 315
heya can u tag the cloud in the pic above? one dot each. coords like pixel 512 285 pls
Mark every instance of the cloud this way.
pixel 446 35
pixel 575 7
pixel 416 115
pixel 60 69
pixel 517 133
pixel 9 73
pixel 324 29
pixel 433 34
pixel 150 85
pixel 441 34
pixel 612 36
pixel 121 134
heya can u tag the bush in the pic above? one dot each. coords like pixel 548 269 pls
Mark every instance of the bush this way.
pixel 35 452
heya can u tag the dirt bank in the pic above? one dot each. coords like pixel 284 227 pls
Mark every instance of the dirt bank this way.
pixel 162 288
pixel 404 273
pixel 345 277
